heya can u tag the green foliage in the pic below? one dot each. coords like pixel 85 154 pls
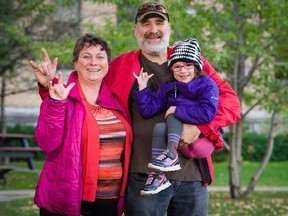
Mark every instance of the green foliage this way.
pixel 280 152
pixel 220 155
pixel 120 41
pixel 249 32
pixel 121 37
pixel 20 129
pixel 230 33
pixel 242 39
pixel 23 26
pixel 62 48
pixel 254 147
pixel 21 36
pixel 16 35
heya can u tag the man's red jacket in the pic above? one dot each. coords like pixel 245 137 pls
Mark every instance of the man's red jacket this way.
pixel 120 80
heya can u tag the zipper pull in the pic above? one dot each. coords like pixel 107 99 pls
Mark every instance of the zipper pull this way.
pixel 175 91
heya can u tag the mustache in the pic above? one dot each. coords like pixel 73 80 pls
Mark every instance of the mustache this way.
pixel 151 34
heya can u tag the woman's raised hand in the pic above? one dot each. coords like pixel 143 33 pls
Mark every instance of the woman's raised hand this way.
pixel 45 71
pixel 59 91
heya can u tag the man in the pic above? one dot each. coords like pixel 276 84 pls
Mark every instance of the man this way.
pixel 188 194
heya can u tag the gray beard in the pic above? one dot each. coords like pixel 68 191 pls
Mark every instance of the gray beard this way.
pixel 154 49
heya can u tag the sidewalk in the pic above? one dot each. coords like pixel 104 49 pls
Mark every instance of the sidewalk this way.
pixel 262 188
pixel 7 195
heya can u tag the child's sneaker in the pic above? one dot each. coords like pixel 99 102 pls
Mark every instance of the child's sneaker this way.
pixel 166 161
pixel 155 183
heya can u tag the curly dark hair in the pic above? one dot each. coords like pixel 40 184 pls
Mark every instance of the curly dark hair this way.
pixel 88 40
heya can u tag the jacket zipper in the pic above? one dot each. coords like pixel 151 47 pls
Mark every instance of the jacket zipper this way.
pixel 175 91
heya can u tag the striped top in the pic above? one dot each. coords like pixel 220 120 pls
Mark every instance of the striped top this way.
pixel 112 139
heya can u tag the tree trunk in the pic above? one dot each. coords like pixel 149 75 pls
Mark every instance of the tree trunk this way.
pixel 251 186
pixel 2 114
pixel 235 159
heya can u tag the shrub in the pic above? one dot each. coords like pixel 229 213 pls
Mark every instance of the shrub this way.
pixel 254 147
pixel 22 129
pixel 280 151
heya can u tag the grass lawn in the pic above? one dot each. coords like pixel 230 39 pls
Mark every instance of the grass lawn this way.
pixel 275 174
pixel 260 204
pixel 220 203
pixel 20 207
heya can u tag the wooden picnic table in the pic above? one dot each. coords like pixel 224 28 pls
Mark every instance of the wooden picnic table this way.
pixel 4 170
pixel 21 152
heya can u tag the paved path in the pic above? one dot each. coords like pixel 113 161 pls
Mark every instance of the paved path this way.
pixel 7 195
pixel 262 188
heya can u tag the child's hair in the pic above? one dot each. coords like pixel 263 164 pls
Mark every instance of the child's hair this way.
pixel 88 40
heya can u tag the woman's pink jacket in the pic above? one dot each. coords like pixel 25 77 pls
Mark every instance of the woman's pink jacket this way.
pixel 58 134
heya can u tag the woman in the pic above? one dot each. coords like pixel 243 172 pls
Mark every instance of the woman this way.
pixel 86 136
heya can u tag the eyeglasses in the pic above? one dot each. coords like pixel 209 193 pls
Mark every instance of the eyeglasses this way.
pixel 177 68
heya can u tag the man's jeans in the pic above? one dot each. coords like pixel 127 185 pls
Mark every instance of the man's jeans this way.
pixel 181 198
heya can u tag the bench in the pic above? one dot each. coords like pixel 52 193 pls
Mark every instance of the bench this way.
pixel 4 170
pixel 22 152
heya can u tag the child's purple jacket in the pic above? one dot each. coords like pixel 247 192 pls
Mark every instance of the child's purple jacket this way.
pixel 196 101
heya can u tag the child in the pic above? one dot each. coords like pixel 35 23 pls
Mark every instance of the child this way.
pixel 189 97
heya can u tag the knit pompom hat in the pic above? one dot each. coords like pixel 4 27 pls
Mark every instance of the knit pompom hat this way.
pixel 187 50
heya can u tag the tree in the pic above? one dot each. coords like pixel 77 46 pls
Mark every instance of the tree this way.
pixel 241 39
pixel 23 26
pixel 244 40
pixel 248 34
